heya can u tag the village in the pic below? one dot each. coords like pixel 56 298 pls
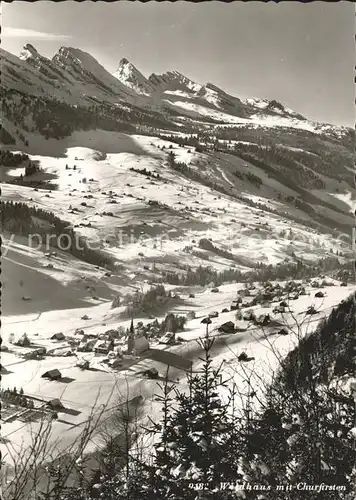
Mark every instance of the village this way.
pixel 147 349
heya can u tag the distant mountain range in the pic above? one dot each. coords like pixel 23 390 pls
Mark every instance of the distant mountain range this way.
pixel 76 78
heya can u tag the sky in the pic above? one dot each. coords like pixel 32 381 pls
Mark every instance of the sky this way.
pixel 299 54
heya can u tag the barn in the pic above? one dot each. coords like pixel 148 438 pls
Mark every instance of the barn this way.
pixel 227 327
pixel 54 374
pixel 58 336
pixel 55 404
pixel 234 305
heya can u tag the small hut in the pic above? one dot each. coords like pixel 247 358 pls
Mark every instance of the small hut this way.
pixel 54 374
pixel 227 327
pixel 58 336
pixel 55 404
pixel 24 341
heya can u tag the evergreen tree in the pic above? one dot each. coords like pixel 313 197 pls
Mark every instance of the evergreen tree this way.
pixel 198 442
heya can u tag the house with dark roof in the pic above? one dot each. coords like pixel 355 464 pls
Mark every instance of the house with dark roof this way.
pixel 227 327
pixel 54 374
pixel 58 336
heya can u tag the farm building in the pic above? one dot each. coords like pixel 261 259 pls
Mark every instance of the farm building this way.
pixel 86 345
pixel 55 404
pixel 263 320
pixel 24 341
pixel 101 347
pixel 58 336
pixel 35 353
pixel 54 374
pixel 83 364
pixel 227 327
pixel 151 373
pixel 234 305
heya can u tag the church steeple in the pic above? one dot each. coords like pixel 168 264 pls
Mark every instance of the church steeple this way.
pixel 131 338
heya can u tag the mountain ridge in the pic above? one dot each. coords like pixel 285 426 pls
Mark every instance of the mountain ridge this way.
pixel 75 77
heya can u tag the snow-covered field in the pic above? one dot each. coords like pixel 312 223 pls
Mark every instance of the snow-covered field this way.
pixel 185 211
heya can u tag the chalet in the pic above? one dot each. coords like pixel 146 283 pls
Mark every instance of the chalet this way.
pixel 311 310
pixel 283 331
pixel 191 315
pixel 112 334
pixel 258 299
pixel 86 345
pixel 319 294
pixel 83 364
pixel 249 316
pixel 227 327
pixel 55 404
pixel 263 320
pixel 34 353
pixel 151 373
pixel 58 336
pixel 246 302
pixel 24 341
pixel 101 348
pixel 279 310
pixel 244 357
pixel 234 305
pixel 54 374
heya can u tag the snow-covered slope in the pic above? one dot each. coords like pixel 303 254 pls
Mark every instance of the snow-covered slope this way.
pixel 114 196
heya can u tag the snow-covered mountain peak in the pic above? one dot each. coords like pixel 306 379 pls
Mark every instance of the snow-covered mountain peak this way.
pixel 28 52
pixel 172 81
pixel 124 61
pixel 70 55
pixel 130 76
pixel 273 106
